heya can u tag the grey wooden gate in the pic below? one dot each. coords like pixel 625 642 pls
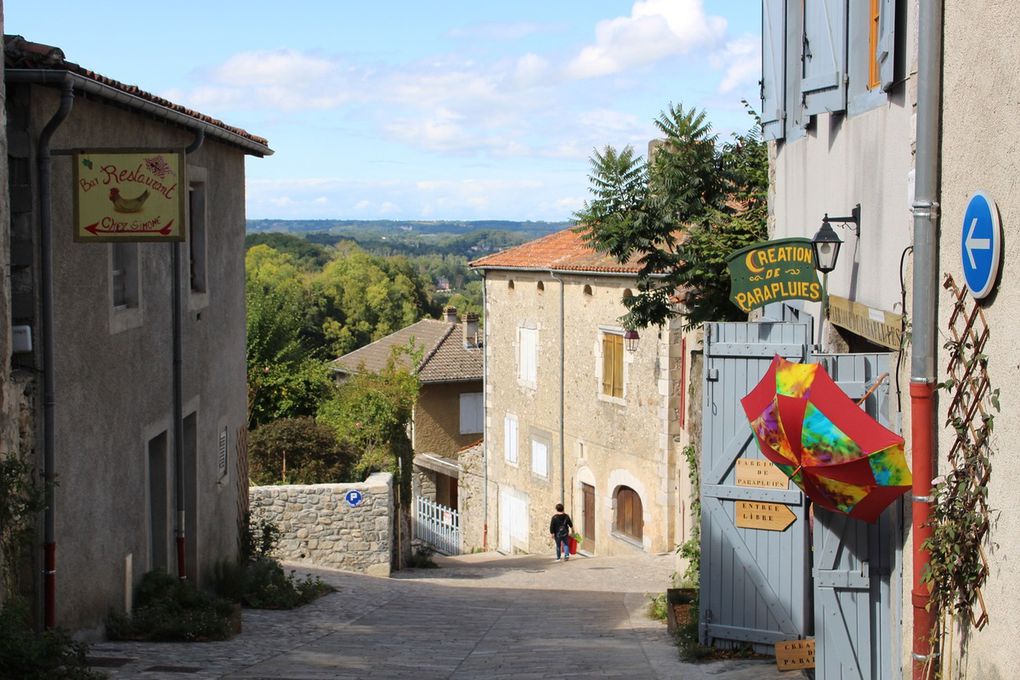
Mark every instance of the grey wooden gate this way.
pixel 857 565
pixel 754 583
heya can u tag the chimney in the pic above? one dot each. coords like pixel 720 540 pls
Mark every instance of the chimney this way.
pixel 471 339
pixel 450 315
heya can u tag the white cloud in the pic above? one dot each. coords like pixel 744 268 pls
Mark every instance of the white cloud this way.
pixel 497 31
pixel 654 30
pixel 742 60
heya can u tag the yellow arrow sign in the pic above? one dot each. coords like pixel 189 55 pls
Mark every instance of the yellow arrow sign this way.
pixel 767 516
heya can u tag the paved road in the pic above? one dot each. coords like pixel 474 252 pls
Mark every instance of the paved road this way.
pixel 476 617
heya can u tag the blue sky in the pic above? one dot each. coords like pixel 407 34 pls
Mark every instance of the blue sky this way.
pixel 421 110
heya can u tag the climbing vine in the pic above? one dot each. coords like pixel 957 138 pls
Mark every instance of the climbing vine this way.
pixel 20 498
pixel 690 549
pixel 960 514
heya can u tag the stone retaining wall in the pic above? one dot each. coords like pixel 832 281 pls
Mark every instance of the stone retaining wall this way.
pixel 318 525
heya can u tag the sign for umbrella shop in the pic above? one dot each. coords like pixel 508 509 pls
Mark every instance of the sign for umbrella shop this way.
pixel 841 458
pixel 760 474
pixel 795 654
pixel 783 269
pixel 135 195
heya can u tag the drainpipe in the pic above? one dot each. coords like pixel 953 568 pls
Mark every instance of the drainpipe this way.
pixel 178 384
pixel 45 162
pixel 922 367
pixel 563 480
pixel 485 413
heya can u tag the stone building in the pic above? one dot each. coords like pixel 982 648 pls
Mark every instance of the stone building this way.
pixel 448 413
pixel 107 431
pixel 572 415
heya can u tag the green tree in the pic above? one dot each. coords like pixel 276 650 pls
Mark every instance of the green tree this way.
pixel 298 451
pixel 285 378
pixel 679 215
pixel 371 412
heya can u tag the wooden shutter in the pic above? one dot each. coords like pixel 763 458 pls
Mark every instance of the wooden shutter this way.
pixel 824 56
pixel 510 439
pixel 618 366
pixel 886 43
pixel 607 364
pixel 773 68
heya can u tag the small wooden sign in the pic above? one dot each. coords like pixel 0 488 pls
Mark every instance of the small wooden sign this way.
pixel 760 474
pixel 767 516
pixel 795 655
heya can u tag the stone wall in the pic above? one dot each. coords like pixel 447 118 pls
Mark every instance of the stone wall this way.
pixel 318 525
pixel 471 499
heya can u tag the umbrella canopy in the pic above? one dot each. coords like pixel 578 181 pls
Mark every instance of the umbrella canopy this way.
pixel 839 455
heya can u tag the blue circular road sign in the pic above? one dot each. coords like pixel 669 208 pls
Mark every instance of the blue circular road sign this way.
pixel 354 498
pixel 981 244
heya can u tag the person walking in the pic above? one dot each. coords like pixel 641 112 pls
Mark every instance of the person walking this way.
pixel 560 527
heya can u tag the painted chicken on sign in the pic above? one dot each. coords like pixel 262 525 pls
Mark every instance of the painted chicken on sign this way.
pixel 128 205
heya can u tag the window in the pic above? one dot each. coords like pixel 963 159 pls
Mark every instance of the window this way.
pixel 510 439
pixel 540 286
pixel 629 515
pixel 124 274
pixel 587 290
pixel 471 413
pixel 874 80
pixel 540 456
pixel 159 504
pixel 197 236
pixel 527 355
pixel 612 365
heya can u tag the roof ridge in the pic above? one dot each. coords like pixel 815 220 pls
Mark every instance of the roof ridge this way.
pixel 439 344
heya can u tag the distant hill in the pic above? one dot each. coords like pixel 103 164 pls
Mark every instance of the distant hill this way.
pixel 404 227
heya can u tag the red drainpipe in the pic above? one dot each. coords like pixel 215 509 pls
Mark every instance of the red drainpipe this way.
pixel 921 414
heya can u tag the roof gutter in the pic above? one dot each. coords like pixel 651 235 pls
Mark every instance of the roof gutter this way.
pixel 136 103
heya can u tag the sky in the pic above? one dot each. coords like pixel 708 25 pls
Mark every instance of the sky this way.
pixel 450 109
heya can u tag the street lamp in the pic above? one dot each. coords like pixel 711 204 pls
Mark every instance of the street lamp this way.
pixel 630 340
pixel 825 245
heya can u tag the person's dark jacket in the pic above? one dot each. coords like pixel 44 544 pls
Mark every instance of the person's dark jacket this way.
pixel 560 525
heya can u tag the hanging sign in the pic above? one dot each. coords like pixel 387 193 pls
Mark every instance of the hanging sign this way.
pixel 767 516
pixel 783 269
pixel 135 195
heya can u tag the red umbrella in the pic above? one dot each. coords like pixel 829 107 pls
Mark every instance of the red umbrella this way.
pixel 839 455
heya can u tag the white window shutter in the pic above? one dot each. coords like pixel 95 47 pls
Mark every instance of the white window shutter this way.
pixel 539 458
pixel 510 439
pixel 887 43
pixel 773 68
pixel 824 55
pixel 471 413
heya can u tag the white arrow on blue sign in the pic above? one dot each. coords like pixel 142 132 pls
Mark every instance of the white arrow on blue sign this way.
pixel 981 244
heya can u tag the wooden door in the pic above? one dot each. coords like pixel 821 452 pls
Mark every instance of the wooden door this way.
pixel 588 518
pixel 754 582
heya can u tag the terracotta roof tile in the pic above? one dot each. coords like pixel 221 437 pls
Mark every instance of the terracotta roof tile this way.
pixel 562 250
pixel 444 357
pixel 24 54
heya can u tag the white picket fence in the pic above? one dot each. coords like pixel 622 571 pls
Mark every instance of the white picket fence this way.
pixel 437 525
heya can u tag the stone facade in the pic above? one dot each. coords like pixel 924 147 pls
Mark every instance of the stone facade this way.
pixel 318 525
pixel 609 444
pixel 471 499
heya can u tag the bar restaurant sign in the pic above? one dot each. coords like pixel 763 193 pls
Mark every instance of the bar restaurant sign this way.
pixel 129 195
pixel 783 269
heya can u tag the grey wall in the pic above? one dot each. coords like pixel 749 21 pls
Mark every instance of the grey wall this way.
pixel 113 389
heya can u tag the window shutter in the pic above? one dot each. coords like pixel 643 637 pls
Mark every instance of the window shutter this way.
pixel 886 43
pixel 824 55
pixel 510 439
pixel 607 364
pixel 470 412
pixel 773 68
pixel 618 366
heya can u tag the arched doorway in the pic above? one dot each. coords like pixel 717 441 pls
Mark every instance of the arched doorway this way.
pixel 629 520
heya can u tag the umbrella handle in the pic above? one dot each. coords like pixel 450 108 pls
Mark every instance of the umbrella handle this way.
pixel 879 381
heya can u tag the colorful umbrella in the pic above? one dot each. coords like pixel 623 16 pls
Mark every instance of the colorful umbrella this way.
pixel 839 455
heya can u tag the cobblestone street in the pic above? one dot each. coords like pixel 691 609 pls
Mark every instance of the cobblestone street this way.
pixel 478 616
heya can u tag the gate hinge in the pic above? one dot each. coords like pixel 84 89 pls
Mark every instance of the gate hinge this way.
pixel 712 374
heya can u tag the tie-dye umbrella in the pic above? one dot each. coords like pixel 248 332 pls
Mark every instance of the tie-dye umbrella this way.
pixel 839 455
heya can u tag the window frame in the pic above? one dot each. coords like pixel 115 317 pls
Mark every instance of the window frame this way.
pixel 197 250
pixel 601 358
pixel 128 314
pixel 545 441
pixel 510 449
pixel 527 343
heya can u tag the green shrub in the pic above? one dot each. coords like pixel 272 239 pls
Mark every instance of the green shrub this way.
pixel 169 609
pixel 262 583
pixel 657 607
pixel 28 655
pixel 298 451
